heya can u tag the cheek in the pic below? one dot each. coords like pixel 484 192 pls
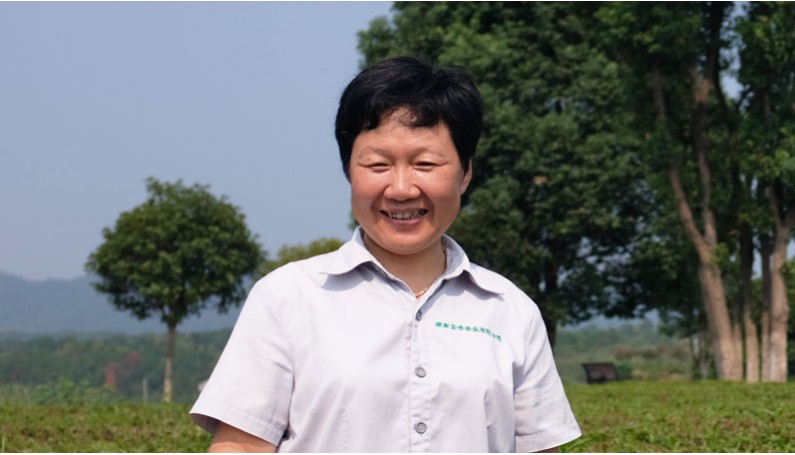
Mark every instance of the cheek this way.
pixel 358 205
pixel 443 190
pixel 368 185
pixel 362 194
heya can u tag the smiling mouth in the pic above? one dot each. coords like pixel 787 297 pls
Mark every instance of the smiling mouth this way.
pixel 405 215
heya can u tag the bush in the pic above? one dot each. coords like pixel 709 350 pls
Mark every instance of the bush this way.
pixel 66 392
pixel 682 416
pixel 100 428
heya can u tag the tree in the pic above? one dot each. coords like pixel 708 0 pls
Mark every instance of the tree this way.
pixel 174 255
pixel 297 252
pixel 768 73
pixel 673 51
pixel 729 162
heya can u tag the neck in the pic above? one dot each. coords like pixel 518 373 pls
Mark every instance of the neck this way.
pixel 418 270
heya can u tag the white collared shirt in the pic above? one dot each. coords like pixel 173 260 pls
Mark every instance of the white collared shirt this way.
pixel 334 354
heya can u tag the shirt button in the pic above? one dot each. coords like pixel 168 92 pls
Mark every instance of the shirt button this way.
pixel 418 316
pixel 420 428
pixel 420 372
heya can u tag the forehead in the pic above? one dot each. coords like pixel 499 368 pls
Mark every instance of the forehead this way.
pixel 401 129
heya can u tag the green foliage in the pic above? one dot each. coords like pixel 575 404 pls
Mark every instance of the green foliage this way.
pixel 674 416
pixel 104 368
pixel 662 274
pixel 69 393
pixel 297 252
pixel 767 52
pixel 176 253
pixel 100 428
pixel 634 416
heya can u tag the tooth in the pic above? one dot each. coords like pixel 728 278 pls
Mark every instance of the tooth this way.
pixel 406 216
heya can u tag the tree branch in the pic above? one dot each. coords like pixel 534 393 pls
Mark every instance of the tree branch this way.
pixel 686 215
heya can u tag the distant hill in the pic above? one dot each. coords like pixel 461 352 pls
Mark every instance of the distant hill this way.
pixel 73 306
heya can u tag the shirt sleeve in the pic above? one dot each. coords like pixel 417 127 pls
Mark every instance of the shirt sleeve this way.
pixel 543 415
pixel 251 385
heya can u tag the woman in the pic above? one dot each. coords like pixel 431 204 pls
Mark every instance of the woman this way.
pixel 395 342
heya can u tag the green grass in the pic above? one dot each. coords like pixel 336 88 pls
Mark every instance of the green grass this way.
pixel 683 416
pixel 631 416
pixel 99 428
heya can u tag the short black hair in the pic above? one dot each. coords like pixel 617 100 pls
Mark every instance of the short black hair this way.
pixel 448 94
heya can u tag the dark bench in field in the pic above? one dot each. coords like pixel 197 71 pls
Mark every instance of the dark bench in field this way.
pixel 596 373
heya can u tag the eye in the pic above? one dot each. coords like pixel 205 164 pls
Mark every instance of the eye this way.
pixel 425 165
pixel 378 166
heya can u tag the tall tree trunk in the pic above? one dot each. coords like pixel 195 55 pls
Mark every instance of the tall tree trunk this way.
pixel 742 191
pixel 699 343
pixel 779 315
pixel 168 385
pixel 751 341
pixel 552 331
pixel 727 361
pixel 551 289
pixel 723 348
pixel 751 346
pixel 738 339
pixel 779 305
pixel 766 251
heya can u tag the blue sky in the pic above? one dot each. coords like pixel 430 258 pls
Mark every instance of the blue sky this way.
pixel 96 97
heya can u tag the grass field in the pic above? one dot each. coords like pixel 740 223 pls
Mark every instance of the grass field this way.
pixel 99 428
pixel 679 416
pixel 619 417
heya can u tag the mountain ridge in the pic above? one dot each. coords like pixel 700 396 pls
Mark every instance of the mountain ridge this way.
pixel 57 306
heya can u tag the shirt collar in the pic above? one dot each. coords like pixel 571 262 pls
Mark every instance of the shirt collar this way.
pixel 354 254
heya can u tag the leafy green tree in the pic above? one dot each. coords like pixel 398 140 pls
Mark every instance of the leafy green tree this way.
pixel 671 55
pixel 174 255
pixel 767 54
pixel 298 252
pixel 728 161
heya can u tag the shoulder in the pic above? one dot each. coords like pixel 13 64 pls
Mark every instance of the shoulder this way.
pixel 298 273
pixel 481 277
pixel 313 265
pixel 288 289
pixel 505 291
pixel 496 283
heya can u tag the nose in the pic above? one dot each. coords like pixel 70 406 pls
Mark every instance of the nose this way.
pixel 402 186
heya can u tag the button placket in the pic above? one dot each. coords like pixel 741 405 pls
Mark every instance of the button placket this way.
pixel 420 389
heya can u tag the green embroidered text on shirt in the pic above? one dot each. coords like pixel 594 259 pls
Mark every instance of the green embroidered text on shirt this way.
pixel 468 328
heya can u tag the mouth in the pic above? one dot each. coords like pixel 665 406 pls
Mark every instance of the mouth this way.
pixel 405 215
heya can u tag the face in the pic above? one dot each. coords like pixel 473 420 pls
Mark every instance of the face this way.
pixel 406 186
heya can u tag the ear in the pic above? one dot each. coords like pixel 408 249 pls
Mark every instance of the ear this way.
pixel 466 179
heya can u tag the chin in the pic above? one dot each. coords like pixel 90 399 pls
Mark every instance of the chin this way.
pixel 408 248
